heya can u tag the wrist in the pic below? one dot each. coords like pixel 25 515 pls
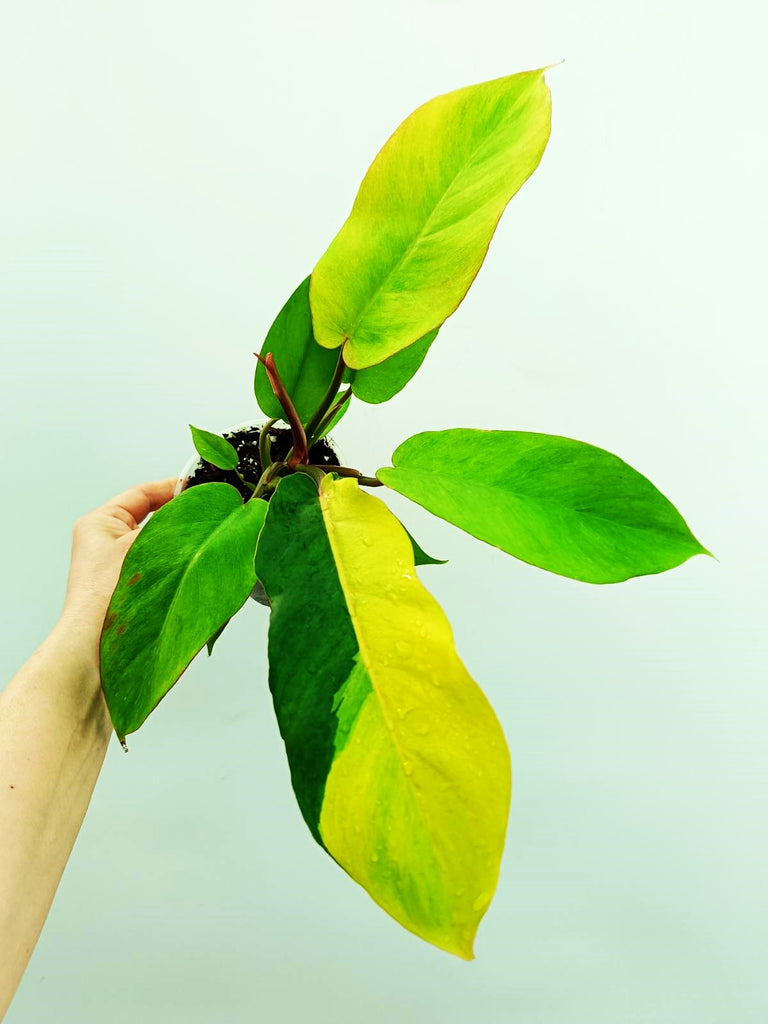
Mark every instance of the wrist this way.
pixel 58 691
pixel 74 642
pixel 79 628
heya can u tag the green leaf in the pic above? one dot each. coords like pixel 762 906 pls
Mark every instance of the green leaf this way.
pixel 425 214
pixel 420 556
pixel 188 571
pixel 559 504
pixel 212 640
pixel 304 367
pixel 381 382
pixel 398 763
pixel 214 448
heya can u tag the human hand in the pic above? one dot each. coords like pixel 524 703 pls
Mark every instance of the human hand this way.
pixel 55 727
pixel 100 541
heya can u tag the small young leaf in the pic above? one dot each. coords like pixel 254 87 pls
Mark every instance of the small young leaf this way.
pixel 381 382
pixel 559 504
pixel 188 571
pixel 214 448
pixel 425 214
pixel 304 367
pixel 397 760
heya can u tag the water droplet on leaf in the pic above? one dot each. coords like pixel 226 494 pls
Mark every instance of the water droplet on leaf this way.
pixel 482 901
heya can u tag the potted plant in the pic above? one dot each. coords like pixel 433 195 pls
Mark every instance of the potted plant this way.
pixel 398 763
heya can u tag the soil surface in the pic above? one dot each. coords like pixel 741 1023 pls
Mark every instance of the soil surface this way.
pixel 246 443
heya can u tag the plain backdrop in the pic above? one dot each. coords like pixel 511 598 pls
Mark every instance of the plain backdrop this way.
pixel 170 171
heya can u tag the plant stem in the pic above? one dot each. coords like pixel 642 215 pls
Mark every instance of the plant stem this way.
pixel 266 479
pixel 265 454
pixel 299 451
pixel 366 481
pixel 241 478
pixel 325 422
pixel 328 398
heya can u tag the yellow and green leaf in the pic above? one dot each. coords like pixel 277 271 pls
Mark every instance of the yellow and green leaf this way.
pixel 425 215
pixel 397 760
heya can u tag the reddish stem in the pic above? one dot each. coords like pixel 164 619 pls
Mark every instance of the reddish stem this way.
pixel 300 453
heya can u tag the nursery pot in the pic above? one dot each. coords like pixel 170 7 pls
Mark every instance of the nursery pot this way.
pixel 244 437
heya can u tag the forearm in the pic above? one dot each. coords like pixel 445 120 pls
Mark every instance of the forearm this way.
pixel 54 730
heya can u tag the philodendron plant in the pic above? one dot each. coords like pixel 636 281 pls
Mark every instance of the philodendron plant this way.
pixel 398 763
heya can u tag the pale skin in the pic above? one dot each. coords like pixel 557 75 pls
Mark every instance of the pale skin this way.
pixel 54 731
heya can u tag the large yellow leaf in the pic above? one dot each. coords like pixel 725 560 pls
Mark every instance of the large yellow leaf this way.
pixel 399 764
pixel 425 214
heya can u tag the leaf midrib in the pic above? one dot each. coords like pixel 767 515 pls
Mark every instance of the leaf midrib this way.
pixel 185 572
pixel 484 488
pixel 423 230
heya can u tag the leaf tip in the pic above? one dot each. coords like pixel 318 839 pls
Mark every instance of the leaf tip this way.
pixel 461 943
pixel 698 547
pixel 466 951
pixel 705 551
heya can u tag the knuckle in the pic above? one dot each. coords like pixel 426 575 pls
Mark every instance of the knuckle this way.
pixel 80 525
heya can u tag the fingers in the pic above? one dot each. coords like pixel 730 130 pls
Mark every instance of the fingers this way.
pixel 134 505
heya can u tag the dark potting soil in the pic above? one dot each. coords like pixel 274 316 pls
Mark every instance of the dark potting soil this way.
pixel 246 443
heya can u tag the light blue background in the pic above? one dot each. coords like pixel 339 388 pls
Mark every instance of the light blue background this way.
pixel 170 172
